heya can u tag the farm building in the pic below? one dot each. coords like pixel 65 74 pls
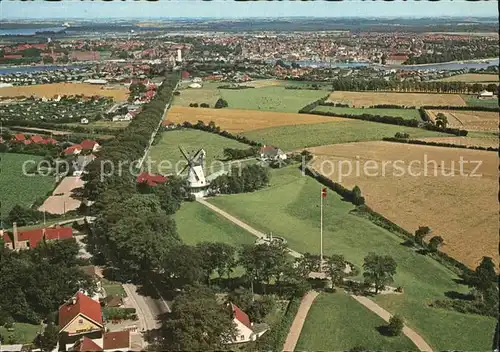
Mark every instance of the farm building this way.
pixel 31 238
pixel 268 153
pixel 485 94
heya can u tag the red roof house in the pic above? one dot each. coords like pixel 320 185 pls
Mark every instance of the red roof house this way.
pixel 241 316
pixel 150 179
pixel 85 344
pixel 117 340
pixel 38 139
pixel 19 137
pixel 31 238
pixel 74 149
pixel 89 144
pixel 81 314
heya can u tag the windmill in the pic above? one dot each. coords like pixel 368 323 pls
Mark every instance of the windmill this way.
pixel 196 176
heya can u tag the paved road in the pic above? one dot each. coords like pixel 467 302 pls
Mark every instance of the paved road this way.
pixel 294 333
pixel 298 322
pixel 381 312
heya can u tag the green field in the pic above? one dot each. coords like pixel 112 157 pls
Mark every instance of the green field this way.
pixel 196 223
pixel 303 136
pixel 289 207
pixel 274 98
pixel 336 322
pixel 167 149
pixel 407 114
pixel 16 188
pixel 113 288
pixel 22 334
pixel 471 100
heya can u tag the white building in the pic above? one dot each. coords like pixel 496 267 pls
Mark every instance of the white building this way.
pixel 195 85
pixel 485 94
pixel 179 55
pixel 245 330
pixel 269 153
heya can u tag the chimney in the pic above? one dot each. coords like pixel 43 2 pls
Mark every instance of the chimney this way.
pixel 73 300
pixel 15 237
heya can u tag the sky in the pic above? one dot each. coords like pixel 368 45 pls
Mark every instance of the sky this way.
pixel 90 9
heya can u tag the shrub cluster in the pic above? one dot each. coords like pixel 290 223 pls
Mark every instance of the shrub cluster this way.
pixel 221 103
pixel 354 196
pixel 401 139
pixel 250 178
pixel 228 86
pixel 196 105
pixel 212 128
pixel 338 105
pixel 235 154
pixel 112 313
pixel 456 131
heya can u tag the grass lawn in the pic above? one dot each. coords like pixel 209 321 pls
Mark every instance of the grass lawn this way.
pixel 165 154
pixel 303 136
pixel 16 188
pixel 336 322
pixel 23 333
pixel 471 100
pixel 113 288
pixel 289 207
pixel 196 223
pixel 407 114
pixel 272 98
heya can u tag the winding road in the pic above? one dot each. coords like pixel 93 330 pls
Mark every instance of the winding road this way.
pixel 308 299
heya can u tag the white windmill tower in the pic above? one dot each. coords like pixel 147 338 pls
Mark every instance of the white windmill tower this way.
pixel 196 177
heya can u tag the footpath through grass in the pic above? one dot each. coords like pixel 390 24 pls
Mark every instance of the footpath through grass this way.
pixel 289 207
pixel 304 136
pixel 18 188
pixel 407 114
pixel 336 322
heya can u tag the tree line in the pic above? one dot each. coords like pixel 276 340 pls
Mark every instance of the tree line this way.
pixel 403 139
pixel 235 154
pixel 380 84
pixel 212 128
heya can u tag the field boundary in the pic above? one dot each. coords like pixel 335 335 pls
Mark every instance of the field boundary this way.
pixel 364 211
pixel 437 144
pixel 201 126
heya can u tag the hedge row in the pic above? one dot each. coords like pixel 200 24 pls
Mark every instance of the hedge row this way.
pixel 347 194
pixel 437 144
pixel 65 127
pixel 338 105
pixel 311 106
pixel 391 120
pixel 200 125
pixel 455 131
pixel 275 338
pixel 449 262
pixel 467 108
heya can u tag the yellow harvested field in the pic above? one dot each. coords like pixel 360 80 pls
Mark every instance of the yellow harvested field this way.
pixel 469 120
pixel 62 199
pixel 472 78
pixel 54 89
pixel 360 99
pixel 261 83
pixel 235 120
pixel 468 141
pixel 401 182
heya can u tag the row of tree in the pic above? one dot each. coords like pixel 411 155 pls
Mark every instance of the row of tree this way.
pixel 234 153
pixel 212 128
pixel 403 138
pixel 392 120
pixel 380 84
pixel 248 178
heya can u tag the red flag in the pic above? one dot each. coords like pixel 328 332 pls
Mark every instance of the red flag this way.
pixel 323 193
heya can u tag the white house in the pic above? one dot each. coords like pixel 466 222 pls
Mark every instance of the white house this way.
pixel 245 330
pixel 195 85
pixel 84 121
pixel 485 94
pixel 197 80
pixel 269 153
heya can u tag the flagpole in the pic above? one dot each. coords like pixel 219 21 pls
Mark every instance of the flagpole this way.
pixel 321 233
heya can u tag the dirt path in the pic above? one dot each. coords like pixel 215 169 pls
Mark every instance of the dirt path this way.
pixel 305 304
pixel 298 322
pixel 381 312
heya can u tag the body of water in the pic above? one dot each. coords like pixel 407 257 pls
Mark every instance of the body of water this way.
pixel 29 31
pixel 29 69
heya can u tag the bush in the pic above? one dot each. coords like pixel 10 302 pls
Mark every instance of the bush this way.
pixel 177 92
pixel 396 324
pixel 220 103
pixel 193 105
pixel 204 105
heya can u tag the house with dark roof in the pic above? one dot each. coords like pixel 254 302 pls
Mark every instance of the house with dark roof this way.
pixel 270 153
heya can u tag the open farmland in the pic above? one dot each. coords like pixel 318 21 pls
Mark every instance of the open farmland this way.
pixel 267 98
pixel 54 89
pixel 469 120
pixel 483 141
pixel 407 114
pixel 360 99
pixel 236 121
pixel 16 188
pixel 461 209
pixel 472 100
pixel 336 322
pixel 166 157
pixel 472 78
pixel 289 207
pixel 340 130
